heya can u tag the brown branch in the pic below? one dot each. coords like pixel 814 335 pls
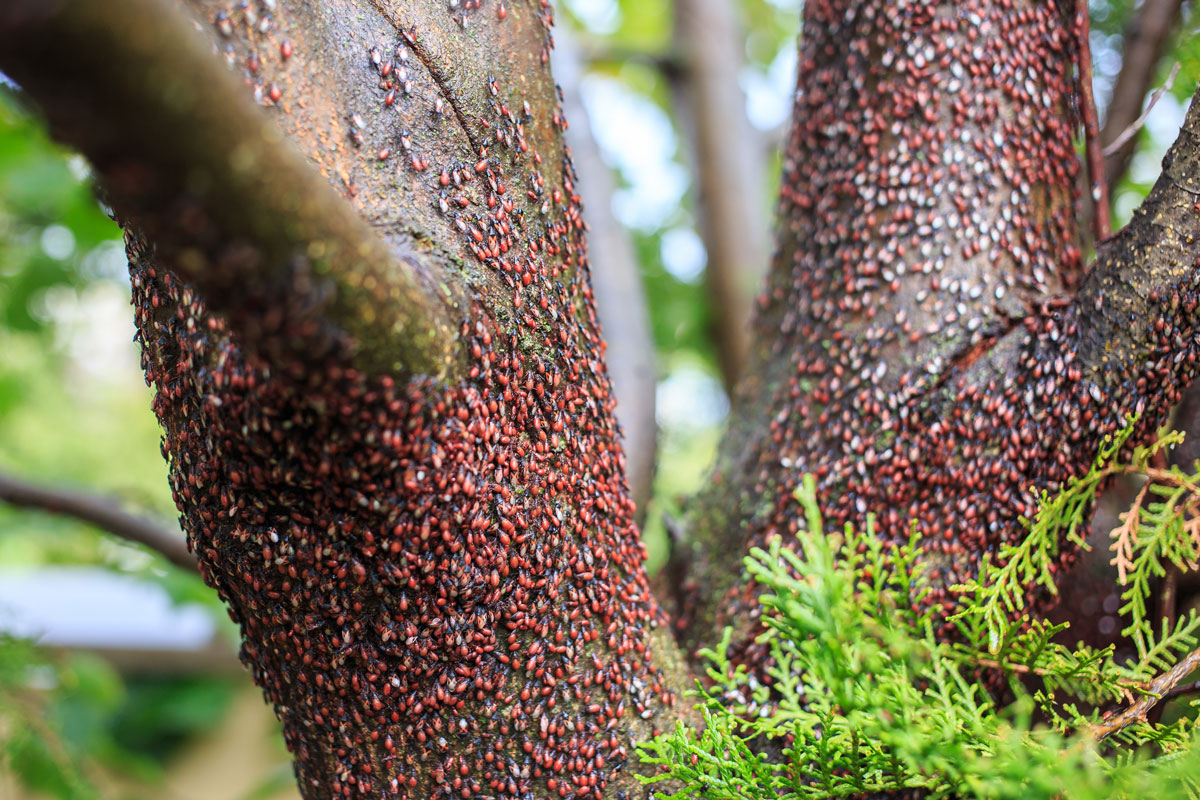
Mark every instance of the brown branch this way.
pixel 1127 685
pixel 188 160
pixel 669 63
pixel 103 512
pixel 1135 290
pixel 1157 691
pixel 1181 691
pixel 1127 134
pixel 1145 41
pixel 1097 187
pixel 729 168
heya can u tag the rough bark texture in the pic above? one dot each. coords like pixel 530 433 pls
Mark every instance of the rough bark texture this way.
pixel 433 557
pixel 917 351
pixel 438 579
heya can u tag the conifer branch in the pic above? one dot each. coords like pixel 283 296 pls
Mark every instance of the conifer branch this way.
pixel 1157 691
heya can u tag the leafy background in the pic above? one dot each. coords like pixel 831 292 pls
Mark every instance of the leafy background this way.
pixel 74 409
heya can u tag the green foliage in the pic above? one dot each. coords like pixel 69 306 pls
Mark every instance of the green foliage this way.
pixel 64 716
pixel 863 695
pixel 52 233
pixel 71 418
pixel 30 747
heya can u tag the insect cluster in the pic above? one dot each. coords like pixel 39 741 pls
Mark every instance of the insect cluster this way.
pixel 254 20
pixel 439 583
pixel 919 357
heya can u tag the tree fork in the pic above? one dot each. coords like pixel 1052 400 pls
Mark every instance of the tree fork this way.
pixel 437 575
pixel 187 161
pixel 919 350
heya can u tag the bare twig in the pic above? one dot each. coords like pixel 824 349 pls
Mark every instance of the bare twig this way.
pixel 1127 686
pixel 103 512
pixel 1158 690
pixel 1181 691
pixel 1115 146
pixel 1098 187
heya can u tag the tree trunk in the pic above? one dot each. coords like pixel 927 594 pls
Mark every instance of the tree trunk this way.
pixel 435 567
pixel 919 349
pixel 391 433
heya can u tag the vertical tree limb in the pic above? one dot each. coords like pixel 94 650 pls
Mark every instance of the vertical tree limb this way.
pixel 1145 41
pixel 439 581
pixel 729 169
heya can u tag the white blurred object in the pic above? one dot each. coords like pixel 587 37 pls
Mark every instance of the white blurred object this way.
pixel 86 607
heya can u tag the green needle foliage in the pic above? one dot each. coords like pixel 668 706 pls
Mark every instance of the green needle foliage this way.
pixel 862 697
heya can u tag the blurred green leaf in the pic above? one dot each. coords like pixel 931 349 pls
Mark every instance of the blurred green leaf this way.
pixel 162 713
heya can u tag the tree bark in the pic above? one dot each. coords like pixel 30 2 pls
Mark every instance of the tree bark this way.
pixel 391 437
pixel 435 567
pixel 918 350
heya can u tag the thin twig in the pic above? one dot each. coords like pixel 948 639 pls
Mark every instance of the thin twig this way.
pixel 1158 691
pixel 1181 691
pixel 103 512
pixel 1091 127
pixel 1135 126
pixel 1127 686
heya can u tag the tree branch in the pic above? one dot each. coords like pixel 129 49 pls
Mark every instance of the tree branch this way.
pixel 1158 690
pixel 1134 127
pixel 419 564
pixel 915 351
pixel 1144 43
pixel 231 207
pixel 1137 301
pixel 103 512
pixel 729 168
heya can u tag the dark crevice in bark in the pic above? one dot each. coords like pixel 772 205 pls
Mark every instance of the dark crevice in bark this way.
pixel 411 35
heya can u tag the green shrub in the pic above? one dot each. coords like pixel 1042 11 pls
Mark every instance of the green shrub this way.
pixel 865 698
